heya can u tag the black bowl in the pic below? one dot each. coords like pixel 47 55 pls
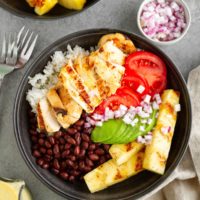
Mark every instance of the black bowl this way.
pixel 22 9
pixel 134 187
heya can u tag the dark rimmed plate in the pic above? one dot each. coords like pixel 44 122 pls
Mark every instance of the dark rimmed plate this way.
pixel 22 9
pixel 134 187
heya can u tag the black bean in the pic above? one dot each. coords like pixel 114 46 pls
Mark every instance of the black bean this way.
pixel 56 149
pixel 94 157
pixel 36 153
pixel 85 145
pixel 64 175
pixel 47 144
pixel 77 150
pixel 71 141
pixel 99 151
pixel 85 137
pixel 71 131
pixel 56 164
pixel 40 161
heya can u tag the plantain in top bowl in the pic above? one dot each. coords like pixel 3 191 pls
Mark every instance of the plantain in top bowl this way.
pixel 72 4
pixel 42 7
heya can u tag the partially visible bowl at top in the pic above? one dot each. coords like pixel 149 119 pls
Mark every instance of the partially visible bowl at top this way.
pixel 163 22
pixel 22 9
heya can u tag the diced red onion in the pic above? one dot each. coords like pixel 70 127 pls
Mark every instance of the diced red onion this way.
pixel 143 121
pixel 140 89
pixel 177 107
pixel 97 117
pixel 132 110
pixel 135 120
pixel 175 6
pixel 87 125
pixel 149 121
pixel 147 109
pixel 148 137
pixel 157 98
pixel 166 130
pixel 138 109
pixel 140 139
pixel 109 114
pixel 133 124
pixel 119 113
pixel 147 99
pixel 122 107
pixel 161 1
pixel 143 114
pixel 157 114
pixel 155 105
pixel 127 119
pixel 149 133
pixel 99 123
pixel 88 119
pixel 142 128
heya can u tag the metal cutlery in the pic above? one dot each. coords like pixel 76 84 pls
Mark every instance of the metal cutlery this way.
pixel 16 51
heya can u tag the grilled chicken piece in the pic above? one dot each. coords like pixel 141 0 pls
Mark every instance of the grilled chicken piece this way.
pixel 73 109
pixel 93 78
pixel 87 75
pixel 75 86
pixel 120 40
pixel 66 110
pixel 45 118
pixel 108 62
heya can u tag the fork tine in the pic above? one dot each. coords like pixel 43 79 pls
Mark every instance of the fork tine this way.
pixel 15 50
pixel 3 50
pixel 31 48
pixel 24 39
pixel 26 45
pixel 19 35
pixel 9 48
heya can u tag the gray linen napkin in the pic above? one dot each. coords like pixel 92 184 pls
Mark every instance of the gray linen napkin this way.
pixel 183 183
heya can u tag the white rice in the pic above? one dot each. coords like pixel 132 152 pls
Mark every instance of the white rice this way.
pixel 42 82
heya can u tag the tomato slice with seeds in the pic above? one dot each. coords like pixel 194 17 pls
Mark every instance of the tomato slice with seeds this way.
pixel 124 96
pixel 133 81
pixel 151 67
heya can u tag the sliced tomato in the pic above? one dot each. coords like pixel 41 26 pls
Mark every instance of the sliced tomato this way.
pixel 124 96
pixel 134 81
pixel 151 67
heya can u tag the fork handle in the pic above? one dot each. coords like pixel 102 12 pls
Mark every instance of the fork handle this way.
pixel 4 69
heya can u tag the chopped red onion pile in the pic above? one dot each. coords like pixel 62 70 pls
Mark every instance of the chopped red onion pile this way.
pixel 163 20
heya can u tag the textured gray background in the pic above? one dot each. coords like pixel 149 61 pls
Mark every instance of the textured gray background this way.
pixel 119 14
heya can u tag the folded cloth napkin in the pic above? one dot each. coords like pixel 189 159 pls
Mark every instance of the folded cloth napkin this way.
pixel 184 182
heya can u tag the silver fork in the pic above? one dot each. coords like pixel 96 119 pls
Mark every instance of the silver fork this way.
pixel 16 51
pixel 25 45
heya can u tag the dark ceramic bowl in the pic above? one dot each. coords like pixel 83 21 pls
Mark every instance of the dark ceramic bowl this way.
pixel 134 187
pixel 22 9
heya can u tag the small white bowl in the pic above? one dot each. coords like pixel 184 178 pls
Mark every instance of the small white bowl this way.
pixel 188 22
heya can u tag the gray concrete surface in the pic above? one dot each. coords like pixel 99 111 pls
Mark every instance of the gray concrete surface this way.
pixel 119 14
